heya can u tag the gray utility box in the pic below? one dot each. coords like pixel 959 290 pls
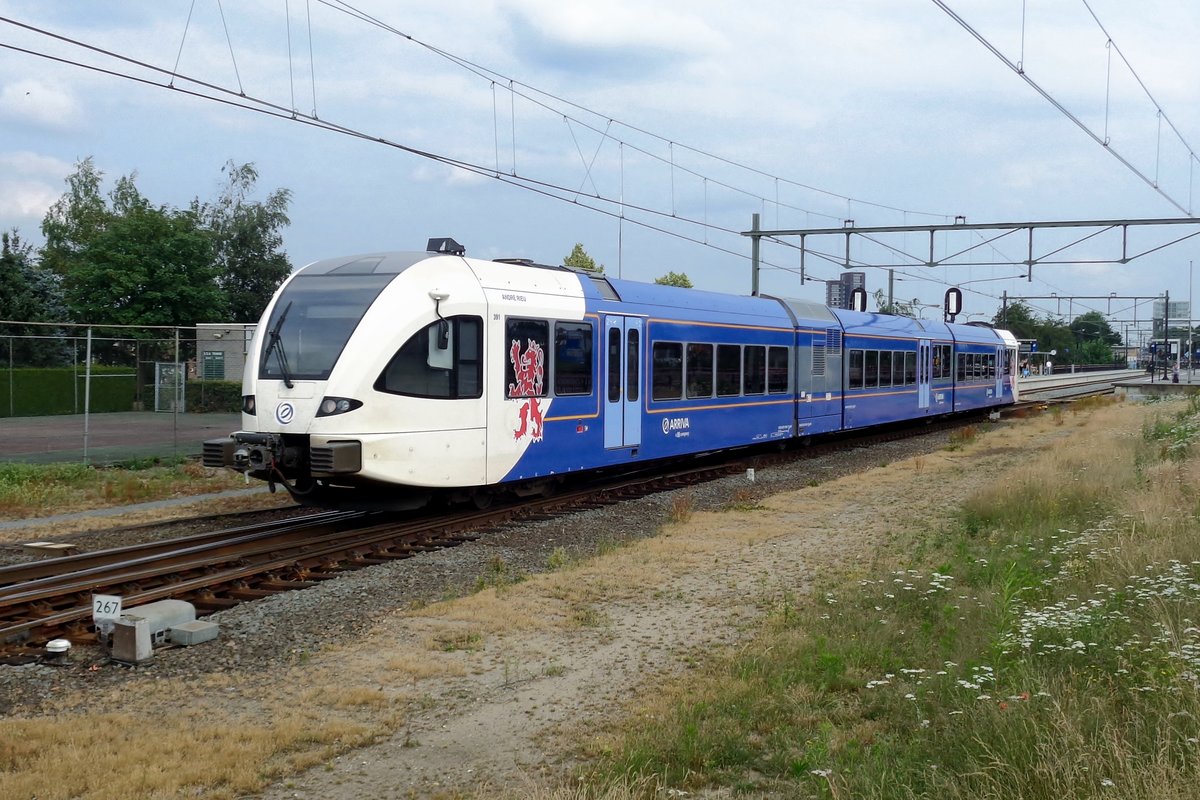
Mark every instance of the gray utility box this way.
pixel 139 629
pixel 131 641
pixel 162 616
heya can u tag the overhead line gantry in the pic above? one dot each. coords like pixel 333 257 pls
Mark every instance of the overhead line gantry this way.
pixel 849 231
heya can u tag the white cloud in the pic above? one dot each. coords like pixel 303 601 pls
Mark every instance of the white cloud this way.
pixel 29 183
pixel 22 201
pixel 26 162
pixel 621 25
pixel 43 104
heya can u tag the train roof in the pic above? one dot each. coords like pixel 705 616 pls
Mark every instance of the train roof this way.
pixel 382 263
pixel 710 304
pixel 875 323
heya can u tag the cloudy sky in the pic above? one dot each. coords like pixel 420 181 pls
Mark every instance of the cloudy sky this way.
pixel 648 132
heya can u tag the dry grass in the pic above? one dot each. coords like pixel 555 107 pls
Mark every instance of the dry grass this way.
pixel 682 506
pixel 181 753
pixel 412 666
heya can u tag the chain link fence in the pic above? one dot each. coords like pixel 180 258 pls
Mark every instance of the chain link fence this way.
pixel 113 393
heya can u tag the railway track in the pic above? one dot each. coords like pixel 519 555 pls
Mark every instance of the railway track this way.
pixel 49 599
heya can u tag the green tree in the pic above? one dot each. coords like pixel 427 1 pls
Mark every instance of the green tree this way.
pixel 679 279
pixel 29 293
pixel 1094 352
pixel 247 241
pixel 1093 327
pixel 898 308
pixel 1019 319
pixel 1053 335
pixel 74 219
pixel 150 266
pixel 579 259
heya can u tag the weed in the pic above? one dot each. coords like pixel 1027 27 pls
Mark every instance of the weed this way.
pixel 499 576
pixel 449 641
pixel 682 504
pixel 744 500
pixel 586 616
pixel 558 559
pixel 960 437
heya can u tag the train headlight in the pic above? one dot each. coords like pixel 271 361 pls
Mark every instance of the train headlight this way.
pixel 247 404
pixel 336 405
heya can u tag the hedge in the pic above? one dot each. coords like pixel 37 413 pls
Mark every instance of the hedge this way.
pixel 40 392
pixel 37 392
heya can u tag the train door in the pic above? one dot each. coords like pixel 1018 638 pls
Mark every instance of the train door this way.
pixel 623 381
pixel 924 373
pixel 1001 371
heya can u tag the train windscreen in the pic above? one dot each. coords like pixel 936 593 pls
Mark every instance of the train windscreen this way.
pixel 312 321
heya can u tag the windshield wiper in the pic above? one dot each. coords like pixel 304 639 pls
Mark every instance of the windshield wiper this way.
pixel 275 344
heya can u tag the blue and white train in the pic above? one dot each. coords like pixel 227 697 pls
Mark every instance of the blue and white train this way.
pixel 393 378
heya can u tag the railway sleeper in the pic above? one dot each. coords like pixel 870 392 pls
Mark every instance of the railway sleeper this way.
pixel 283 585
pixel 248 593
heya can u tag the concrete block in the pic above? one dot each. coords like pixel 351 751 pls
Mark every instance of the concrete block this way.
pixel 195 632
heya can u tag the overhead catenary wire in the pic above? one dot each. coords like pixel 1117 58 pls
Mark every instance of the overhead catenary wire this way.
pixel 242 100
pixel 618 206
pixel 1021 72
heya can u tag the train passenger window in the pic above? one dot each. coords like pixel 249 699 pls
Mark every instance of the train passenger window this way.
pixel 777 370
pixel 614 365
pixel 754 369
pixel 411 372
pixel 910 369
pixel 991 359
pixel 667 371
pixel 526 342
pixel 632 359
pixel 699 370
pixel 961 367
pixel 856 369
pixel 941 361
pixel 572 358
pixel 729 370
pixel 885 368
pixel 871 369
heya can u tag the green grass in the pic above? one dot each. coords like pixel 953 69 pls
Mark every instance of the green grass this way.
pixel 1046 645
pixel 32 489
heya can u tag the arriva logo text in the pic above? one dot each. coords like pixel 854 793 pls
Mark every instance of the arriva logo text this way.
pixel 675 424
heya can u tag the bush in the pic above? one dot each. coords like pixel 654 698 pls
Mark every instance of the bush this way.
pixel 214 397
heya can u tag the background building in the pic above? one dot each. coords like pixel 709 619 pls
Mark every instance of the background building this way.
pixel 837 293
pixel 221 350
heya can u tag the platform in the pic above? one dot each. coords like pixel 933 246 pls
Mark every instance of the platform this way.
pixel 1152 387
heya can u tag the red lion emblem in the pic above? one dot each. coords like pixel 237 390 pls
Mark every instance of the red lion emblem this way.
pixel 529 371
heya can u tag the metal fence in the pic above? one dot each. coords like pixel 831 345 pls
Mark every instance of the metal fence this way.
pixel 111 393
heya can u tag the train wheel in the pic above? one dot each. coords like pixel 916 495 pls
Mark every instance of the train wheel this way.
pixel 483 499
